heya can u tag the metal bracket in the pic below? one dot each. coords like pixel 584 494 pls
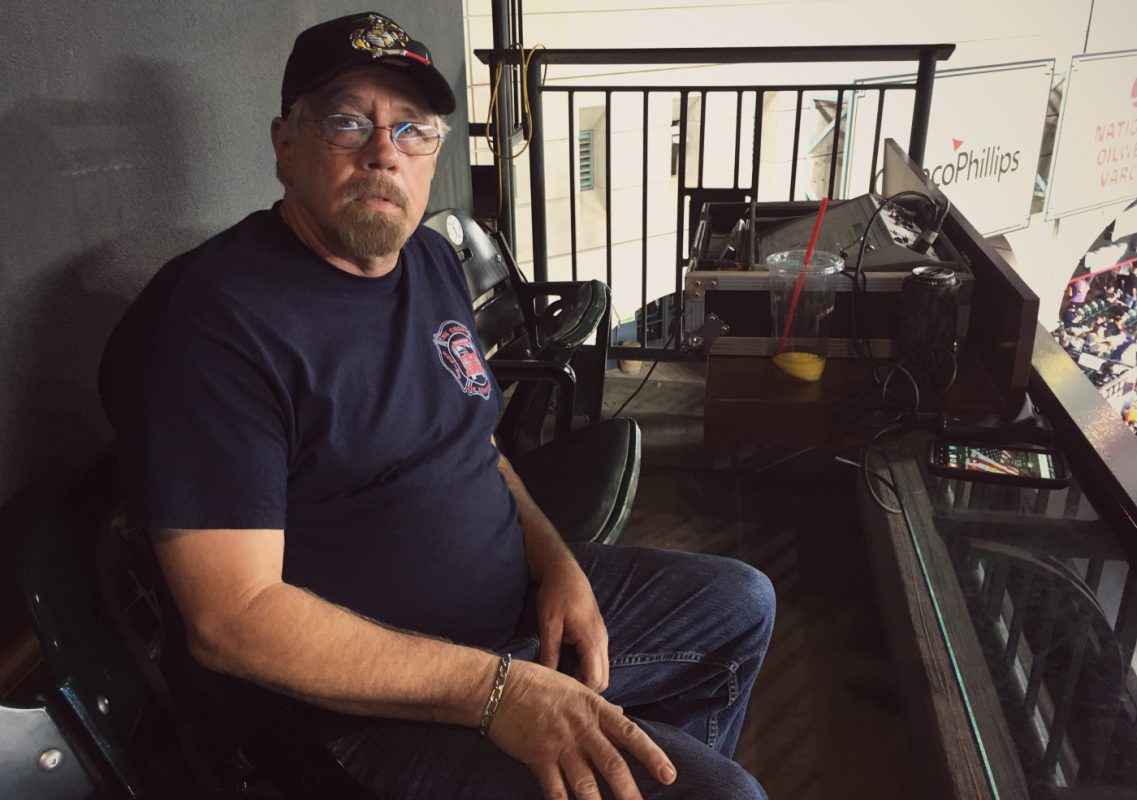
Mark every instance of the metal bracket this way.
pixel 704 336
pixel 696 286
pixel 35 758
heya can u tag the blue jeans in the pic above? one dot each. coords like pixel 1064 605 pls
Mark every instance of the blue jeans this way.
pixel 687 635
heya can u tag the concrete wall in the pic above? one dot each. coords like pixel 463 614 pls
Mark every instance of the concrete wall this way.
pixel 129 132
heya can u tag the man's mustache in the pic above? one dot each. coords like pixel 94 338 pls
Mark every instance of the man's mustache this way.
pixel 376 185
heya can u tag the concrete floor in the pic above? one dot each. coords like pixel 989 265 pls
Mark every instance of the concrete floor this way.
pixel 824 721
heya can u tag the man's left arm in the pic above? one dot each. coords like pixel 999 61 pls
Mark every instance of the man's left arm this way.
pixel 566 607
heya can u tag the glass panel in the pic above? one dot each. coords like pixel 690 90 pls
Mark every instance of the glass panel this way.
pixel 1049 596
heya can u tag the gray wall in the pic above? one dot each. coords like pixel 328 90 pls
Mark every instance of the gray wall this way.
pixel 130 131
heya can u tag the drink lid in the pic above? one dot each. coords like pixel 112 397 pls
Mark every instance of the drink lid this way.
pixel 821 263
pixel 938 276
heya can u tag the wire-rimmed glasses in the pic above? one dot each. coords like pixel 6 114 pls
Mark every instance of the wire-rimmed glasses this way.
pixel 353 132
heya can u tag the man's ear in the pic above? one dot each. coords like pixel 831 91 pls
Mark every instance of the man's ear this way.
pixel 283 145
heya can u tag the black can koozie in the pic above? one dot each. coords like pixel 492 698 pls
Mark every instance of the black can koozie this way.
pixel 929 310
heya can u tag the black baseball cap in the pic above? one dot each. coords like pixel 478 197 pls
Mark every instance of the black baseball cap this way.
pixel 324 51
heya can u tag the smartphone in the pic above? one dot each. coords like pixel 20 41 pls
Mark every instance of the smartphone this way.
pixel 1017 465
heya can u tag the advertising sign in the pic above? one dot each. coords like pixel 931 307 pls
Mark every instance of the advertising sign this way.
pixel 984 138
pixel 1095 153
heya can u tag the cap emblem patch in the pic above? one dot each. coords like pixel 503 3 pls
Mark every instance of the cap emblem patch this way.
pixel 380 37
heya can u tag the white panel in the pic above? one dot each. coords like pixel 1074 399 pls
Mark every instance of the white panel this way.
pixel 1095 161
pixel 984 139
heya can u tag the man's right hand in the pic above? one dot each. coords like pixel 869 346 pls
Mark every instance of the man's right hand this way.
pixel 564 732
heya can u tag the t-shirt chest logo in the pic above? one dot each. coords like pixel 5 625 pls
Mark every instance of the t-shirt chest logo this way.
pixel 460 357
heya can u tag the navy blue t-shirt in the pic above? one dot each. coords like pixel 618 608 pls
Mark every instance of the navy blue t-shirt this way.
pixel 254 385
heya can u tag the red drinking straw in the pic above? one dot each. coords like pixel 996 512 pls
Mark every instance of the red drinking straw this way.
pixel 801 276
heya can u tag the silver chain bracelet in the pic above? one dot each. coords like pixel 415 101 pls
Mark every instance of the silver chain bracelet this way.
pixel 495 693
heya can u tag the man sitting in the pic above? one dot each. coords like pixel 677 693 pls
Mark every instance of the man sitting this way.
pixel 346 546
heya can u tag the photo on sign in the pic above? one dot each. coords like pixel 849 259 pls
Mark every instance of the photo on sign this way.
pixel 1098 315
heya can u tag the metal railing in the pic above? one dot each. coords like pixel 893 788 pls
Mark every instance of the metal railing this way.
pixel 1060 663
pixel 690 195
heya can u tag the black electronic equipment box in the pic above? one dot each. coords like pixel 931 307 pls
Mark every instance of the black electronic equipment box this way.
pixel 726 276
pixel 893 233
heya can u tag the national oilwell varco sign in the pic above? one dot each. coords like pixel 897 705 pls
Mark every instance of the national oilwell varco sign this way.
pixel 990 163
pixel 1117 156
pixel 1095 151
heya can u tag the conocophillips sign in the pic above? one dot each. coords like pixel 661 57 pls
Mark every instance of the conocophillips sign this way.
pixel 984 138
pixel 991 163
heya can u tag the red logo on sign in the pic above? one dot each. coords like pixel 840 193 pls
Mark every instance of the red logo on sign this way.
pixel 1133 93
pixel 955 143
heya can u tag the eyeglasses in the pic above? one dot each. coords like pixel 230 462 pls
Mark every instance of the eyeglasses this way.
pixel 352 132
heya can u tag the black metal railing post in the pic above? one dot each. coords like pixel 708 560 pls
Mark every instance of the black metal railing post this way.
pixel 833 153
pixel 876 139
pixel 643 225
pixel 797 141
pixel 702 135
pixel 681 174
pixel 572 176
pixel 756 147
pixel 608 187
pixel 503 122
pixel 737 136
pixel 922 107
pixel 537 168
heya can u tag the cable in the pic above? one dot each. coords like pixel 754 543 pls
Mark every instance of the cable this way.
pixel 857 290
pixel 929 235
pixel 933 355
pixel 526 115
pixel 918 368
pixel 872 473
pixel 885 402
pixel 676 323
pixel 767 467
pixel 858 275
pixel 897 367
pixel 674 328
pixel 930 371
pixel 867 474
